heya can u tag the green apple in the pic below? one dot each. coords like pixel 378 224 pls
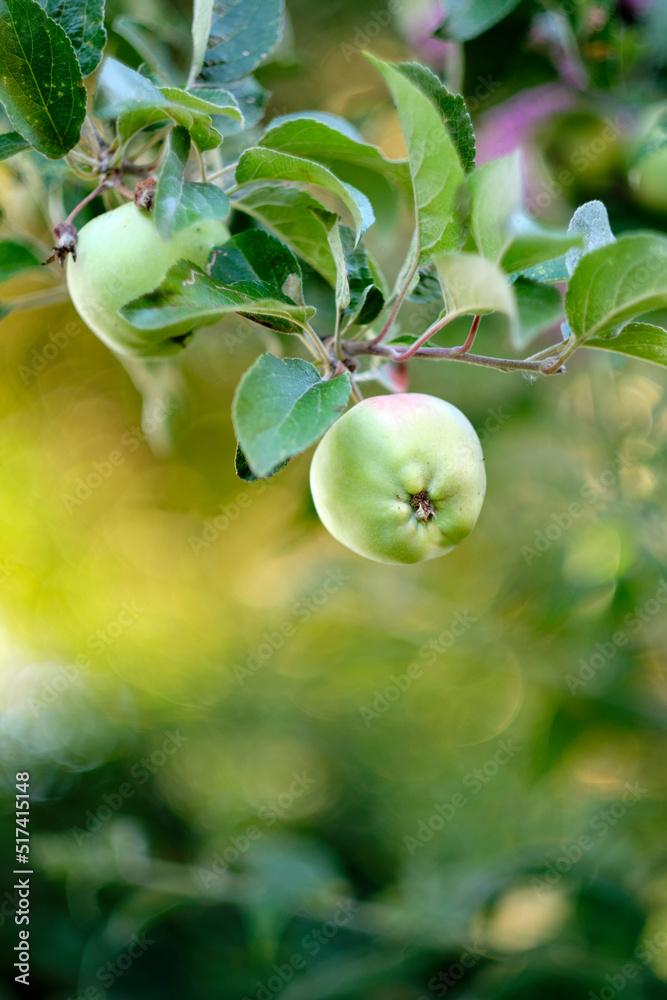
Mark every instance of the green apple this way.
pixel 119 256
pixel 399 478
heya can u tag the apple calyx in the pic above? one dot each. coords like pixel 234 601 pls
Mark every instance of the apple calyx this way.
pixel 144 193
pixel 422 506
pixel 66 236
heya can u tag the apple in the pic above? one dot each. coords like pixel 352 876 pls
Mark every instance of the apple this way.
pixel 119 256
pixel 399 478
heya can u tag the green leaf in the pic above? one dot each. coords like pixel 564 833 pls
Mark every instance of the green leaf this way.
pixel 540 306
pixel 170 182
pixel 548 270
pixel 474 286
pixel 366 294
pixel 251 98
pixel 200 201
pixel 153 51
pixel 83 22
pixel 248 274
pixel 437 175
pixel 41 85
pixel 326 138
pixel 201 28
pixel 427 288
pixel 616 283
pixel 258 163
pixel 211 101
pixel 11 143
pixel 281 407
pixel 240 35
pixel 467 19
pixel 244 472
pixel 298 219
pixel 501 230
pixel 124 94
pixel 591 221
pixel 14 258
pixel 532 243
pixel 452 107
pixel 637 340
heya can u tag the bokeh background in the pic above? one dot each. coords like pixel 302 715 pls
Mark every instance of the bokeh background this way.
pixel 262 766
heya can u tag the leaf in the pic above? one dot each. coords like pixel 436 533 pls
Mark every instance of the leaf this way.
pixel 615 283
pixel 435 168
pixel 592 222
pixel 427 288
pixel 638 340
pixel 247 274
pixel 467 19
pixel 83 23
pixel 200 201
pixel 330 140
pixel 11 143
pixel 540 306
pixel 452 107
pixel 41 85
pixel 532 243
pixel 244 472
pixel 170 182
pixel 212 102
pixel 258 164
pixel 14 258
pixel 501 230
pixel 366 297
pixel 548 270
pixel 474 286
pixel 201 28
pixel 281 407
pixel 251 98
pixel 124 94
pixel 298 219
pixel 153 51
pixel 241 34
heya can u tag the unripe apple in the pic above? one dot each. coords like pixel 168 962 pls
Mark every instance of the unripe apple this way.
pixel 399 478
pixel 119 256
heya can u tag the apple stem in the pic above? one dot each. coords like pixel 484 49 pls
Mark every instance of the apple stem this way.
pixel 89 197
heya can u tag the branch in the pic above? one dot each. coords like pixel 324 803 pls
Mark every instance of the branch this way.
pixel 355 347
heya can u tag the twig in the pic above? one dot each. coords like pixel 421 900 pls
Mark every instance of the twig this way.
pixel 355 347
pixel 397 304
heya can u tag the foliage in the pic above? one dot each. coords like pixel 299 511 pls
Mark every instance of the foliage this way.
pixel 427 844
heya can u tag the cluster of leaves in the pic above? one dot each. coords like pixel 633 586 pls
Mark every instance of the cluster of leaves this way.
pixel 475 250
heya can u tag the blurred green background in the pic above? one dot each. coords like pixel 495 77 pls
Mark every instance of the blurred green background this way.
pixel 238 789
